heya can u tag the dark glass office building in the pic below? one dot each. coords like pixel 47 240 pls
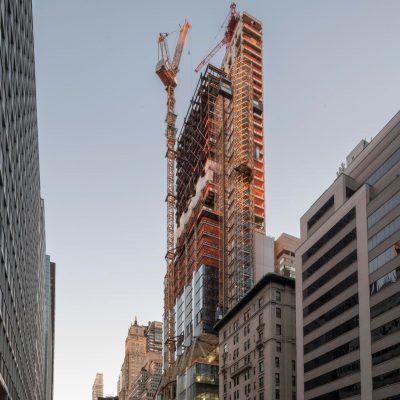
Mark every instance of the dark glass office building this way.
pixel 22 238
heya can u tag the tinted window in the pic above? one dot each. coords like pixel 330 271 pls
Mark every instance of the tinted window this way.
pixel 385 305
pixel 331 294
pixel 384 233
pixel 384 209
pixel 384 168
pixel 386 354
pixel 330 376
pixel 381 260
pixel 339 267
pixel 329 235
pixel 386 379
pixel 340 351
pixel 342 393
pixel 333 313
pixel 329 254
pixel 320 213
pixel 386 329
pixel 332 334
pixel 386 280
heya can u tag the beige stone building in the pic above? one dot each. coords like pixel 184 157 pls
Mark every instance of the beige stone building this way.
pixel 97 388
pixel 142 344
pixel 348 279
pixel 285 247
pixel 257 342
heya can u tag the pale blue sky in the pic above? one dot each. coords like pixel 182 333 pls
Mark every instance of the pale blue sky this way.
pixel 331 78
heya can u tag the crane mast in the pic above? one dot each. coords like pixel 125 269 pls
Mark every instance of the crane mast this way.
pixel 167 72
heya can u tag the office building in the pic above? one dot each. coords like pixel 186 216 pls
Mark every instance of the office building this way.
pixel 257 341
pixel 347 276
pixel 22 232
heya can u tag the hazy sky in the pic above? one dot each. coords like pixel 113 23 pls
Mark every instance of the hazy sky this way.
pixel 331 78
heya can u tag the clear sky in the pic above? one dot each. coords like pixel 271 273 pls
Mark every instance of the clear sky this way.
pixel 332 77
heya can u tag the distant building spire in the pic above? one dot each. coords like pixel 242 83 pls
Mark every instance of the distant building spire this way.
pixel 135 320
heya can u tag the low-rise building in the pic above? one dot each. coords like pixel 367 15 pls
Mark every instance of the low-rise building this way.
pixel 257 342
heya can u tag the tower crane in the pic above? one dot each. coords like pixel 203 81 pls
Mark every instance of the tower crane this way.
pixel 167 71
pixel 229 31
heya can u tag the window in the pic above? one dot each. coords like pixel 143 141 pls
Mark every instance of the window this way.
pixel 277 394
pixel 261 396
pixel 278 296
pixel 335 270
pixel 340 351
pixel 246 315
pixel 386 379
pixel 385 305
pixel 382 259
pixel 384 233
pixel 320 213
pixel 330 376
pixel 261 366
pixel 348 391
pixel 332 293
pixel 329 235
pixel 278 312
pixel 332 334
pixel 277 362
pixel 338 247
pixel 386 329
pixel 278 329
pixel 261 382
pixel 278 347
pixel 293 380
pixel 331 314
pixel 293 365
pixel 384 168
pixel 384 209
pixel 386 280
pixel 277 379
pixel 386 354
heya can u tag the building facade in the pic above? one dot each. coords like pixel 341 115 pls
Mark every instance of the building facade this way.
pixel 285 248
pixel 98 387
pixel 142 344
pixel 22 233
pixel 257 341
pixel 348 303
pixel 219 210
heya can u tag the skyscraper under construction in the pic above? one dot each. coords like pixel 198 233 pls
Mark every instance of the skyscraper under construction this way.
pixel 219 210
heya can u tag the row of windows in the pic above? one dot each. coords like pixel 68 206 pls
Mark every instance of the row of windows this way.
pixel 332 334
pixel 329 235
pixel 331 314
pixel 342 393
pixel 386 280
pixel 386 354
pixel 335 270
pixel 340 351
pixel 382 259
pixel 384 209
pixel 385 305
pixel 321 212
pixel 384 168
pixel 384 233
pixel 329 254
pixel 331 294
pixel 385 330
pixel 388 378
pixel 330 376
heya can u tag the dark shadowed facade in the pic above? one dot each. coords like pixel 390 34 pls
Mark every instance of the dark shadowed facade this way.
pixel 22 237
